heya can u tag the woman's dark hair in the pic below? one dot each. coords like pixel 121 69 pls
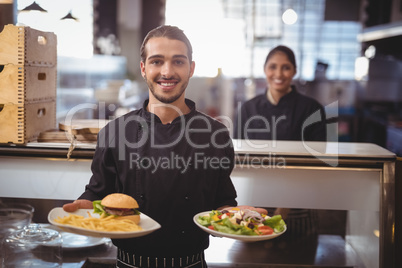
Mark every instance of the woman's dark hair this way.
pixel 170 32
pixel 288 52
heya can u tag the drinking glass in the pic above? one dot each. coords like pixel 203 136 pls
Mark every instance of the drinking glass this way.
pixel 14 216
pixel 32 246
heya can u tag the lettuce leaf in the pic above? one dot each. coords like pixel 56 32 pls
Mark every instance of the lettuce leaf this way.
pixel 228 227
pixel 204 220
pixel 98 208
pixel 276 222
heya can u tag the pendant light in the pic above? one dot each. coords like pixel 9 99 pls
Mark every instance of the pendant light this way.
pixel 34 6
pixel 69 16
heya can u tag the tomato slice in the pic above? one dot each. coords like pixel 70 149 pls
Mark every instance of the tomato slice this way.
pixel 265 230
pixel 211 227
pixel 227 214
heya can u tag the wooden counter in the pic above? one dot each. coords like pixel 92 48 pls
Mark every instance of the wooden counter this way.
pixel 357 177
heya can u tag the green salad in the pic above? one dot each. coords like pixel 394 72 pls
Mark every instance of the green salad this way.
pixel 242 222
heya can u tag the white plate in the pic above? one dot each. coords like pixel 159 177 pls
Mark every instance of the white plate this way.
pixel 148 225
pixel 76 241
pixel 245 238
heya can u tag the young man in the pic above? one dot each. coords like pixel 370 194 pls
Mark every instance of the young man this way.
pixel 174 160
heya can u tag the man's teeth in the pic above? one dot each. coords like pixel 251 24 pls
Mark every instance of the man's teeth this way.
pixel 167 84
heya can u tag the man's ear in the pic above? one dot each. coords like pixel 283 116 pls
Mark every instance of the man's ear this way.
pixel 192 68
pixel 142 66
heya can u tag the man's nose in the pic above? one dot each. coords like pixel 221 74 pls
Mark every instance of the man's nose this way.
pixel 167 69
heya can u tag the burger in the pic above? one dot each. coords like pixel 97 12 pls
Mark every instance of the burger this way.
pixel 121 206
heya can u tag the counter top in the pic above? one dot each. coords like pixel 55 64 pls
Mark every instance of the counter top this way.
pixel 224 253
pixel 242 147
pixel 357 177
pixel 312 149
pixel 49 149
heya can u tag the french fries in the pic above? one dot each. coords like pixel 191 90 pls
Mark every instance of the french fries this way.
pixel 104 223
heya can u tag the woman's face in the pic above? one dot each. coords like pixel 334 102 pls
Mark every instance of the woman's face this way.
pixel 279 72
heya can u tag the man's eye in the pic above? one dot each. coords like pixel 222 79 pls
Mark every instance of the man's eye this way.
pixel 156 62
pixel 179 62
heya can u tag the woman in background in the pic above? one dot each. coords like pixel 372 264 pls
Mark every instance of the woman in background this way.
pixel 282 113
pixel 282 110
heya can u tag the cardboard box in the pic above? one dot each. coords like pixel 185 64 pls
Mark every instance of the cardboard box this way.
pixel 28 83
pixel 21 123
pixel 24 46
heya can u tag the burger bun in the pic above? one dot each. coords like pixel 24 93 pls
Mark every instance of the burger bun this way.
pixel 121 201
pixel 118 200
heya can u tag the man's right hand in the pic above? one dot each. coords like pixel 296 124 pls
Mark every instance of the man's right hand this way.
pixel 77 204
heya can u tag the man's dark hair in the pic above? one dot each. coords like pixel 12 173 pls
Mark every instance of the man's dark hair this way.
pixel 170 32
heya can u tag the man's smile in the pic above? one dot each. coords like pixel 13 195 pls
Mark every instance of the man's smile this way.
pixel 167 85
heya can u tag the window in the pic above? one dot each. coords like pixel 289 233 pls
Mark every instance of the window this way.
pixel 221 32
pixel 74 37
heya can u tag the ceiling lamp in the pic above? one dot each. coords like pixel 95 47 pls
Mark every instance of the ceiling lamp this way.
pixel 69 16
pixel 34 6
pixel 289 16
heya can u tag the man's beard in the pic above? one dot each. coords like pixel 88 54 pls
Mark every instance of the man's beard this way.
pixel 162 98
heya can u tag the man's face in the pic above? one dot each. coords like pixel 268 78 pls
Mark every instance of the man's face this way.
pixel 166 69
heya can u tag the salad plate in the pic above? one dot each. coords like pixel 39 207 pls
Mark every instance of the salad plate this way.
pixel 244 238
pixel 147 224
